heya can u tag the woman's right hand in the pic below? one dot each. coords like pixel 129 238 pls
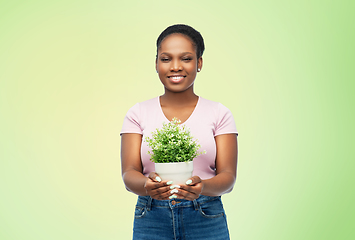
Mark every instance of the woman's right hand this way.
pixel 156 188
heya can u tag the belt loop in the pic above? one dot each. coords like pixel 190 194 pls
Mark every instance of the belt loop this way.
pixel 149 204
pixel 195 204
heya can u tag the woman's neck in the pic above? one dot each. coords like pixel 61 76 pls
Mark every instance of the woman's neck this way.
pixel 179 99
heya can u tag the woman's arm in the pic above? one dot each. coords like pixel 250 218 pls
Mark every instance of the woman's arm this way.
pixel 226 166
pixel 131 167
pixel 226 171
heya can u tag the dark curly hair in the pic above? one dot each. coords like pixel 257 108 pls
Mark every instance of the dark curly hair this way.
pixel 188 31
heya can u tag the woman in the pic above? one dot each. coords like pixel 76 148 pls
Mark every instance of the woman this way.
pixel 193 210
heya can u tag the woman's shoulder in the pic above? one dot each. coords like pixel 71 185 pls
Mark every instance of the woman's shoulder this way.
pixel 149 102
pixel 221 116
pixel 213 105
pixel 145 104
pixel 137 115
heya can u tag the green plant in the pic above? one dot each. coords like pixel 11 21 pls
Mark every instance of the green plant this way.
pixel 172 143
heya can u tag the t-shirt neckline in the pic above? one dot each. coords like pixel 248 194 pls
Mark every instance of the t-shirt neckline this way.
pixel 193 112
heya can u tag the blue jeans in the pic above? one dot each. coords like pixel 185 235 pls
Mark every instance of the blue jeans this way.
pixel 178 219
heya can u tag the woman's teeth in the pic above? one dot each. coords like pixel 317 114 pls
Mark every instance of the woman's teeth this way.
pixel 176 78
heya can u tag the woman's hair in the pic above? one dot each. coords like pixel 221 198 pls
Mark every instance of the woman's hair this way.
pixel 186 30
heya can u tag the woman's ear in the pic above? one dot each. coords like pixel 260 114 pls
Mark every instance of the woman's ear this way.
pixel 199 64
pixel 156 62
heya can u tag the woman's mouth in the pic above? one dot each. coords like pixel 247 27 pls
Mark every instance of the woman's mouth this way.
pixel 176 78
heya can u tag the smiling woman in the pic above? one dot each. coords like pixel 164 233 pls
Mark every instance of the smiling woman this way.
pixel 177 63
pixel 160 203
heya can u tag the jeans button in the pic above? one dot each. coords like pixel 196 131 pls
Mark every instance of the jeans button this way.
pixel 173 202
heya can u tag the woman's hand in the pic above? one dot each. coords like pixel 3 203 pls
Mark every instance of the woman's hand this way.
pixel 189 191
pixel 156 188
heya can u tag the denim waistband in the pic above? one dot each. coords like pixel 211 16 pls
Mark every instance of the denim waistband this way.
pixel 150 202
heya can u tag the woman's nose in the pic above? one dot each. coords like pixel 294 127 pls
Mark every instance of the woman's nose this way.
pixel 176 66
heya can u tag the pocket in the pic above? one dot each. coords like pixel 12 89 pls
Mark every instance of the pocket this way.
pixel 140 211
pixel 211 209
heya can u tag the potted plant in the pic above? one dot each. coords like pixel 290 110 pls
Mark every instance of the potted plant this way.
pixel 173 151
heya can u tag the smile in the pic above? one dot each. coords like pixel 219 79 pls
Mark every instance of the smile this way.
pixel 177 78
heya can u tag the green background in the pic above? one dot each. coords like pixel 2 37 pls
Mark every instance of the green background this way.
pixel 70 70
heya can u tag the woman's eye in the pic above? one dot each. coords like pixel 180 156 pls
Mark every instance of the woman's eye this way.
pixel 165 59
pixel 187 59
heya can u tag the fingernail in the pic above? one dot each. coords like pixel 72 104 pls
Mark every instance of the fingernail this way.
pixel 174 191
pixel 158 179
pixel 172 196
pixel 174 186
pixel 188 182
pixel 169 183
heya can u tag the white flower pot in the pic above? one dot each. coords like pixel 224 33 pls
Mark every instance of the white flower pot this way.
pixel 177 172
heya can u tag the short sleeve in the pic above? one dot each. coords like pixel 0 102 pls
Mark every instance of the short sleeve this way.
pixel 225 123
pixel 131 122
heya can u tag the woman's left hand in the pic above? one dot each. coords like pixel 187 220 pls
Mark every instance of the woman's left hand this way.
pixel 189 191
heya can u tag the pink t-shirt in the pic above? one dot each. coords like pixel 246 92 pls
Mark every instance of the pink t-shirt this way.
pixel 208 120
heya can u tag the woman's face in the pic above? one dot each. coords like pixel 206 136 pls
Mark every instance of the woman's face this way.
pixel 177 63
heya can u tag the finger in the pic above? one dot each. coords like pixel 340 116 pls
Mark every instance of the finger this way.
pixel 158 190
pixel 151 184
pixel 161 193
pixel 154 176
pixel 193 180
pixel 174 186
pixel 194 189
pixel 182 194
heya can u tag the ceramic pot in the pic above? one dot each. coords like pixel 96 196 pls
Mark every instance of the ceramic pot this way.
pixel 178 172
